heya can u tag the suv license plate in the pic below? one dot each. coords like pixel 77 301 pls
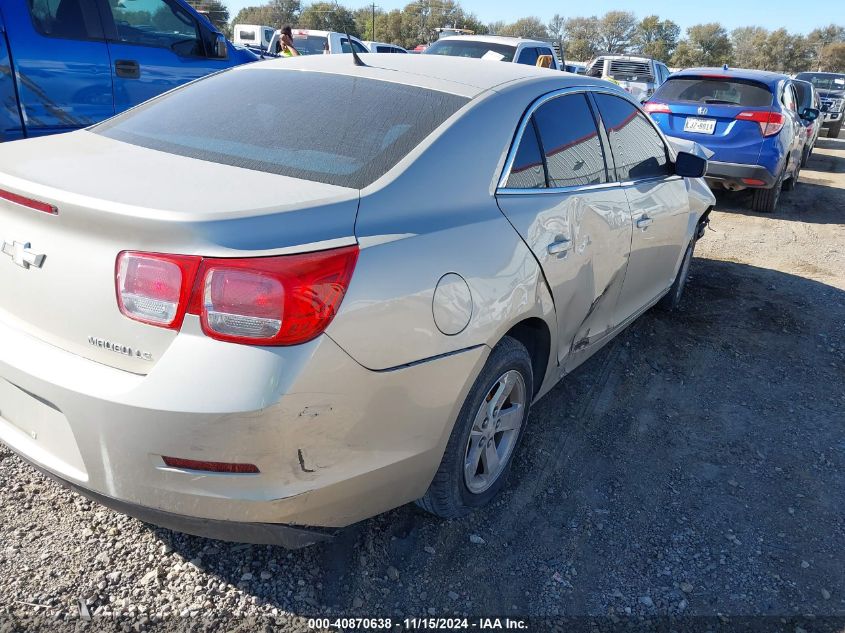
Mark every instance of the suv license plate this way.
pixel 701 126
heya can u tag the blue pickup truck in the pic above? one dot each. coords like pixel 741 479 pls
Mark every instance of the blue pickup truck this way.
pixel 65 64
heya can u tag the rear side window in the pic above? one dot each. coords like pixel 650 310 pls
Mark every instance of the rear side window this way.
pixel 528 56
pixel 69 19
pixel 571 143
pixel 731 91
pixel 527 171
pixel 638 150
pixel 335 129
pixel 468 48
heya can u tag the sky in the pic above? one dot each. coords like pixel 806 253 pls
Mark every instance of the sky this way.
pixel 790 14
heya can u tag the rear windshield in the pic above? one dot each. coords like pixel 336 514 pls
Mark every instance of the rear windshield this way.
pixel 335 129
pixel 468 48
pixel 309 44
pixel 713 90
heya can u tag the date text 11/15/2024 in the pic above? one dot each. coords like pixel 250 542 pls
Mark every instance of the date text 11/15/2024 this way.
pixel 419 624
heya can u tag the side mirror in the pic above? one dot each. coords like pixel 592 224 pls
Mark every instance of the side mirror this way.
pixel 810 114
pixel 221 49
pixel 690 165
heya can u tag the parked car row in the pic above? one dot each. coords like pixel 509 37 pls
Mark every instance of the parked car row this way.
pixel 262 328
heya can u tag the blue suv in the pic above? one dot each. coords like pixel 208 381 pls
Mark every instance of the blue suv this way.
pixel 748 118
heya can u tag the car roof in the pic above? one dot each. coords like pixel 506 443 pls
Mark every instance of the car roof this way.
pixel 461 76
pixel 496 39
pixel 763 76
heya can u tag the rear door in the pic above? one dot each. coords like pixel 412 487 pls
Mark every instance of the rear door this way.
pixel 155 45
pixel 558 196
pixel 658 200
pixel 706 109
pixel 61 62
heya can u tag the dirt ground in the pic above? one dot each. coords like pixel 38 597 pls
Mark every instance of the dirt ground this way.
pixel 696 467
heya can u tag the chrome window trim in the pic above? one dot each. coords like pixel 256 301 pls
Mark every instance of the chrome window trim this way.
pixel 502 187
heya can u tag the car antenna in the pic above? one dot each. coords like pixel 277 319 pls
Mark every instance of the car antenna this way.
pixel 355 59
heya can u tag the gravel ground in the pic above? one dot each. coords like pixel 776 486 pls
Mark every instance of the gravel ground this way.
pixel 693 467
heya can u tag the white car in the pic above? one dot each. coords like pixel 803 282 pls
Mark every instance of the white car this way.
pixel 311 42
pixel 253 35
pixel 639 76
pixel 384 47
pixel 494 48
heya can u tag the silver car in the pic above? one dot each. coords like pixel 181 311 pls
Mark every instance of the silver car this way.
pixel 264 318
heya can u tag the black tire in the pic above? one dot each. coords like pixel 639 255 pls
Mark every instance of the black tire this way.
pixel 672 299
pixel 834 130
pixel 448 495
pixel 790 183
pixel 766 200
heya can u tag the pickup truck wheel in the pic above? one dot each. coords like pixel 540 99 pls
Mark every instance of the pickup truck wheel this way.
pixel 489 427
pixel 766 200
pixel 834 130
pixel 672 299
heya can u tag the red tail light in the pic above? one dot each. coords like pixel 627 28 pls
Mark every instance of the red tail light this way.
pixel 28 202
pixel 154 288
pixel 654 107
pixel 770 122
pixel 284 300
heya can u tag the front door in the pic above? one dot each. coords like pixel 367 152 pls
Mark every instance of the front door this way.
pixel 657 198
pixel 62 64
pixel 558 196
pixel 155 45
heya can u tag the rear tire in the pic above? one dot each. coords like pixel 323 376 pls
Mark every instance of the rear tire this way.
pixel 672 299
pixel 479 455
pixel 766 200
pixel 834 130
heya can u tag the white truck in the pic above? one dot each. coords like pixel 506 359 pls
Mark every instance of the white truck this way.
pixel 310 42
pixel 253 35
pixel 640 76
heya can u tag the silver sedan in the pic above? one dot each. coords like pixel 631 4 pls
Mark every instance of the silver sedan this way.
pixel 302 292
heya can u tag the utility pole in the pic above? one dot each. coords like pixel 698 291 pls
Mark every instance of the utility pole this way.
pixel 374 20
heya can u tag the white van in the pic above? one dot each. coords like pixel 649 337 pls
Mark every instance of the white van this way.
pixel 253 35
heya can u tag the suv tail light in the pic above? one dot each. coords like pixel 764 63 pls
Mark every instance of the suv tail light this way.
pixel 770 122
pixel 654 107
pixel 285 300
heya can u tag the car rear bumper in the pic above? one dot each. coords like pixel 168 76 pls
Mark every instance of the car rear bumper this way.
pixel 739 175
pixel 334 442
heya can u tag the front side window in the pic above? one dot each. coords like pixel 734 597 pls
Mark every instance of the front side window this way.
pixel 638 150
pixel 322 127
pixel 570 140
pixel 68 19
pixel 789 97
pixel 157 23
pixel 527 171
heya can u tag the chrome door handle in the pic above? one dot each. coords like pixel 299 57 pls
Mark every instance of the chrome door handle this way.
pixel 559 246
pixel 644 223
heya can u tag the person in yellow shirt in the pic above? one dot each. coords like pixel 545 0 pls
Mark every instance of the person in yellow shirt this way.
pixel 285 45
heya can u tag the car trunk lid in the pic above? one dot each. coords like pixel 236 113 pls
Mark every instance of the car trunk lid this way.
pixel 111 197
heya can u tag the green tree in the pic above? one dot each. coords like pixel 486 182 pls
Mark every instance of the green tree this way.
pixel 749 45
pixel 705 45
pixel 495 28
pixel 656 38
pixel 616 31
pixel 327 16
pixel 580 37
pixel 531 28
pixel 833 58
pixel 276 13
pixel 215 11
pixel 819 39
pixel 556 27
pixel 787 53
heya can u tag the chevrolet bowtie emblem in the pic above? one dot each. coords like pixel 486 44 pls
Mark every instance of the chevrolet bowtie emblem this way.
pixel 21 255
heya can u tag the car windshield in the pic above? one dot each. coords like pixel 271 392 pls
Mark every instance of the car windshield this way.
pixel 715 90
pixel 309 44
pixel 336 129
pixel 469 48
pixel 824 81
